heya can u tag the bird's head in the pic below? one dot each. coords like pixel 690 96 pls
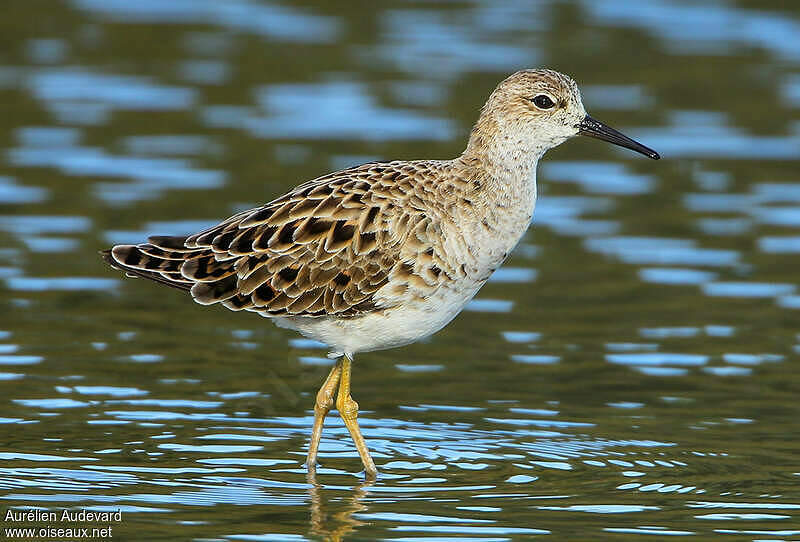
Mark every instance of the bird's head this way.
pixel 535 110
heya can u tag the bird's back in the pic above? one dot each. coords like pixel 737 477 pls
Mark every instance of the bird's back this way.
pixel 344 244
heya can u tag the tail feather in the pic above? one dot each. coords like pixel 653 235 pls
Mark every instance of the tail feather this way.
pixel 208 293
pixel 168 261
pixel 128 258
pixel 170 242
pixel 166 254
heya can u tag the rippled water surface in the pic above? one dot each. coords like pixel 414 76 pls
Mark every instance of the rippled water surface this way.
pixel 630 373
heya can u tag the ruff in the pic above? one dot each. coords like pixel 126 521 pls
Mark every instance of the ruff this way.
pixel 385 253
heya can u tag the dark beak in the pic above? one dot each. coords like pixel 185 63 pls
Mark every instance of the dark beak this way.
pixel 594 128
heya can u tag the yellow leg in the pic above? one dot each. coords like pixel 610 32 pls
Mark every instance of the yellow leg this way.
pixel 348 409
pixel 323 405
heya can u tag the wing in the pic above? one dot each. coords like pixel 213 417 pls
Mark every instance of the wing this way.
pixel 326 248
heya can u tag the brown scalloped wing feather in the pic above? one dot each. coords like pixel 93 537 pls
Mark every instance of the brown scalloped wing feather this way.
pixel 324 248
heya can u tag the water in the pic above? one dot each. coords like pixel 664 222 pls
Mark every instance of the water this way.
pixel 630 373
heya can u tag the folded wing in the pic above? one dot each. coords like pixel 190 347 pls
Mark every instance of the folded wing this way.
pixel 325 248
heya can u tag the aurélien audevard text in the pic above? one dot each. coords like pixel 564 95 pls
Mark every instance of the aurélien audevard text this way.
pixel 63 523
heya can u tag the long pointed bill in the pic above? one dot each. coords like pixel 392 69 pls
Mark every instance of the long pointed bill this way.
pixel 594 128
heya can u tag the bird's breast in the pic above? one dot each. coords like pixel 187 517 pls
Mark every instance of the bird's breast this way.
pixel 486 234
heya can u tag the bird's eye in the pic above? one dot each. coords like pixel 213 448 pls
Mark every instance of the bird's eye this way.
pixel 543 101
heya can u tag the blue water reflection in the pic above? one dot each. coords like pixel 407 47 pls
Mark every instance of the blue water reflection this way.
pixel 704 134
pixel 696 29
pixel 275 21
pixel 661 251
pixel 412 40
pixel 12 192
pixel 337 110
pixel 598 177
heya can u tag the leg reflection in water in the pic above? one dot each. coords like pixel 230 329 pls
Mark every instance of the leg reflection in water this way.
pixel 332 520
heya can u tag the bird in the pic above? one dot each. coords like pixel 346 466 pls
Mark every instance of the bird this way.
pixel 382 254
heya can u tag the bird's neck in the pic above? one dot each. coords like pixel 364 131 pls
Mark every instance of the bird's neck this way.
pixel 500 186
pixel 507 153
pixel 500 165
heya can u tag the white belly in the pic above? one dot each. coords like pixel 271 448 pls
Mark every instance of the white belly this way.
pixel 386 328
